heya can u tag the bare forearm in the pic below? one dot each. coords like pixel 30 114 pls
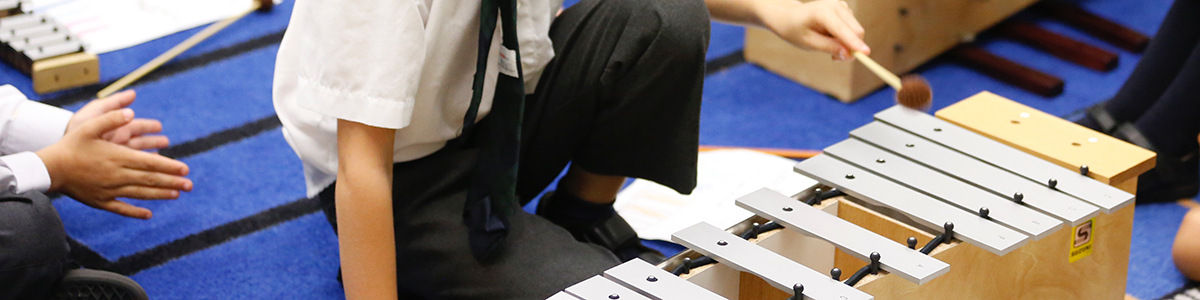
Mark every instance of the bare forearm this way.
pixel 364 211
pixel 366 239
pixel 823 25
pixel 740 12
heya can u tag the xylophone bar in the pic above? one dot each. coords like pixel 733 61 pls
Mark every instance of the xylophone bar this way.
pixel 780 272
pixel 657 284
pixel 562 296
pixel 946 188
pixel 598 288
pixel 930 213
pixel 979 173
pixel 1107 197
pixel 914 266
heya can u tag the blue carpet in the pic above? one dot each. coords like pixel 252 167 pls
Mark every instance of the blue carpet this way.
pixel 246 232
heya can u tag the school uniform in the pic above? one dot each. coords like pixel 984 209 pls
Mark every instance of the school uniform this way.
pixel 34 253
pixel 614 87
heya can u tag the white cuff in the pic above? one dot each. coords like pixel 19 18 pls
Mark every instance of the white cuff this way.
pixel 29 171
pixel 35 126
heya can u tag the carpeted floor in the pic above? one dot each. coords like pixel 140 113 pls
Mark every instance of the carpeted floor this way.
pixel 246 231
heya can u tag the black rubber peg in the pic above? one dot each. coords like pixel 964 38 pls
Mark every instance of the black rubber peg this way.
pixel 949 226
pixel 1019 198
pixel 1053 183
pixel 912 242
pixel 875 262
pixel 836 274
pixel 984 212
pixel 798 291
pixel 1083 170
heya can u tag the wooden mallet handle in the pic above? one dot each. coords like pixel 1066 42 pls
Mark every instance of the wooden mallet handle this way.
pixel 879 70
pixel 259 5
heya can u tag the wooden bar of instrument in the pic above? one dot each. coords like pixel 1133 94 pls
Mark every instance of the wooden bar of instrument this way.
pixel 1007 71
pixel 1102 28
pixel 1060 46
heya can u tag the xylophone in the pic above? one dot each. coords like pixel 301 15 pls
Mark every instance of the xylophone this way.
pixel 1012 203
pixel 47 51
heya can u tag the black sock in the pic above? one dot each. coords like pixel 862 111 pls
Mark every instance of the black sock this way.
pixel 569 211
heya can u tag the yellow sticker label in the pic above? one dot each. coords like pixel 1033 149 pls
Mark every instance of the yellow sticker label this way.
pixel 1081 240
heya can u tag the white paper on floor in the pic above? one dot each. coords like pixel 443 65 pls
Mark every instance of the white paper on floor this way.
pixel 656 211
pixel 108 25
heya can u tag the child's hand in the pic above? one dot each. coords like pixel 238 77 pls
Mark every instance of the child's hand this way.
pixel 134 135
pixel 95 172
pixel 822 25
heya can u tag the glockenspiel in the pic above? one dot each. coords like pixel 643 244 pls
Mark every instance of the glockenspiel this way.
pixel 53 56
pixel 990 199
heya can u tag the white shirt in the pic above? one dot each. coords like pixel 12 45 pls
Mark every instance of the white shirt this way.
pixel 403 64
pixel 26 126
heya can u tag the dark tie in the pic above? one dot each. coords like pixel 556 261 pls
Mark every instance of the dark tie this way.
pixel 492 198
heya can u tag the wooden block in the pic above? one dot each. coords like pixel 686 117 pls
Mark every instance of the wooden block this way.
pixel 902 34
pixel 1109 160
pixel 63 72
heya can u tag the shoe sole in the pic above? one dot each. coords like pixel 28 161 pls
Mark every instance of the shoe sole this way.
pixel 85 284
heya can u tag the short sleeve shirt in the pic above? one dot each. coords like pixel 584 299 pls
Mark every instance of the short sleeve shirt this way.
pixel 404 64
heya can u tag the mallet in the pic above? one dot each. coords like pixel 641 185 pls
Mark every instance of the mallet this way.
pixel 259 5
pixel 912 91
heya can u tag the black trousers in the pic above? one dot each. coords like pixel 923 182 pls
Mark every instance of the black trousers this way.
pixel 1162 96
pixel 33 247
pixel 622 97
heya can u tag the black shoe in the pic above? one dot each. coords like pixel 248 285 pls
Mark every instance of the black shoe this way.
pixel 85 284
pixel 1174 177
pixel 612 233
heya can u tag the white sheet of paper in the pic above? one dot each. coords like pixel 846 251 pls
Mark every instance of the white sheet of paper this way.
pixel 108 25
pixel 656 211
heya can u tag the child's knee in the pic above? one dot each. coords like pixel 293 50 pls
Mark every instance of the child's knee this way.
pixel 34 231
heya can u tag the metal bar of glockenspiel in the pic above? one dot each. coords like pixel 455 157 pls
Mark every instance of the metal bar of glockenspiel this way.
pixel 562 296
pixel 657 284
pixel 946 188
pixel 978 173
pixel 781 272
pixel 1107 197
pixel 930 213
pixel 897 259
pixel 599 288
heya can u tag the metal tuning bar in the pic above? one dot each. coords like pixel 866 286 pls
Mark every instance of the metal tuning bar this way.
pixel 781 272
pixel 1070 181
pixel 961 194
pixel 656 283
pixel 562 296
pixel 598 288
pixel 976 172
pixel 928 212
pixel 895 258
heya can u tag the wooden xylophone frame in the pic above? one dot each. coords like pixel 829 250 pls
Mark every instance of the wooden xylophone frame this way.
pixel 1041 269
pixel 55 72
